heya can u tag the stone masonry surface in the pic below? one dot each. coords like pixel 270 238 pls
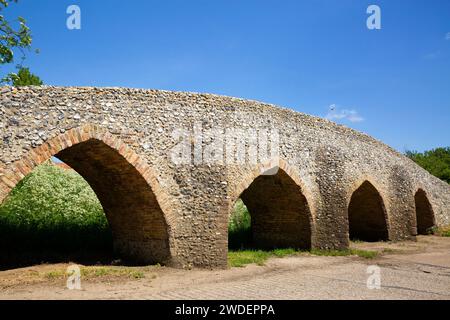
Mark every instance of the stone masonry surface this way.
pixel 121 141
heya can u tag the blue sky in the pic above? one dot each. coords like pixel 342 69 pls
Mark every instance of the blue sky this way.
pixel 392 83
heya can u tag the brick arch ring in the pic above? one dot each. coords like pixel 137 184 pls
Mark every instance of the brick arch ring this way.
pixel 13 173
pixel 356 184
pixel 424 214
pixel 269 166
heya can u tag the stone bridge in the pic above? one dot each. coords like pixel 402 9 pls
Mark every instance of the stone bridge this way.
pixel 162 167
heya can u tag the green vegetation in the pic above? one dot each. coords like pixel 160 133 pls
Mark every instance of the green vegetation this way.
pixel 24 78
pixel 52 211
pixel 445 233
pixel 90 272
pixel 242 257
pixel 93 272
pixel 12 38
pixel 436 161
pixel 239 227
pixel 54 274
pixel 442 231
pixel 241 251
pixel 15 39
pixel 280 253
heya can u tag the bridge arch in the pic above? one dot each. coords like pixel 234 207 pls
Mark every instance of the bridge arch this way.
pixel 279 206
pixel 367 216
pixel 425 219
pixel 135 205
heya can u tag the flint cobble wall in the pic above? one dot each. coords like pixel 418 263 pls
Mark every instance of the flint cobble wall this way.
pixel 183 207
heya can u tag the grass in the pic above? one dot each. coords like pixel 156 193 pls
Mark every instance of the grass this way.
pixel 442 231
pixel 54 274
pixel 241 250
pixel 368 254
pixel 92 272
pixel 58 274
pixel 95 272
pixel 241 258
pixel 280 253
pixel 445 233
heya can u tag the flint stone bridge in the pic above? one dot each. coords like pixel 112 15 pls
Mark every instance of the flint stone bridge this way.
pixel 329 182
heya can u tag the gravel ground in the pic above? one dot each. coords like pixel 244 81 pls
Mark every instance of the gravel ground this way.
pixel 408 270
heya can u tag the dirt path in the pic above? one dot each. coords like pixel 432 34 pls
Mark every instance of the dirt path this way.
pixel 409 270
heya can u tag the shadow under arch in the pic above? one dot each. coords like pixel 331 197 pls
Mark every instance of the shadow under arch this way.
pixel 124 184
pixel 424 212
pixel 281 216
pixel 367 215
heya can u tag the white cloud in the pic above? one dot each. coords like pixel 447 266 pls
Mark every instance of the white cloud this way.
pixel 447 36
pixel 335 114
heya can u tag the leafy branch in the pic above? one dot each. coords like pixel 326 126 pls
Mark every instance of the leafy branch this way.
pixel 15 39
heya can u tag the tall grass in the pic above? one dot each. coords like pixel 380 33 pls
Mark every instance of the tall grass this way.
pixel 51 212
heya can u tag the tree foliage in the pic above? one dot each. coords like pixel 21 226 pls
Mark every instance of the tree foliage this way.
pixel 23 78
pixel 436 161
pixel 13 39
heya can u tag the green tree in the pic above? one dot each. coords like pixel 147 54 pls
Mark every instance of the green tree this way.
pixel 436 161
pixel 15 39
pixel 24 78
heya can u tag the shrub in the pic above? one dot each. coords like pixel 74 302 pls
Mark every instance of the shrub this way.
pixel 239 227
pixel 52 210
